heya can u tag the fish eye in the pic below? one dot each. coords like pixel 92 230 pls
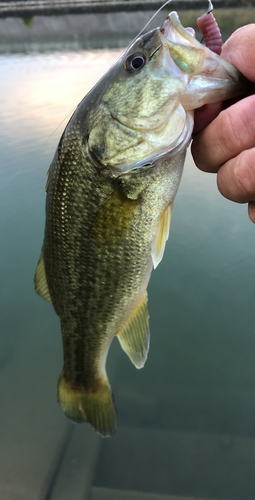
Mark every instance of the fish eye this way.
pixel 135 62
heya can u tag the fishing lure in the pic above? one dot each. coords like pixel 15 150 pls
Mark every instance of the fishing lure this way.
pixel 210 30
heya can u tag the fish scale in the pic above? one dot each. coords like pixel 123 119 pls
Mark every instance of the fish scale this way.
pixel 110 193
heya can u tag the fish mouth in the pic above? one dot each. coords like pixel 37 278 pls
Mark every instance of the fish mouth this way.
pixel 201 63
pixel 173 30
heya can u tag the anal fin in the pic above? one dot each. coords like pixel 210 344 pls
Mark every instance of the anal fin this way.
pixel 134 338
pixel 41 286
pixel 159 242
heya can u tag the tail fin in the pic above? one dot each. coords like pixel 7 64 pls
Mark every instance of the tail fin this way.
pixel 96 408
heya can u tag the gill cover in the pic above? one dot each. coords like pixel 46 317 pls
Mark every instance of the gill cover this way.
pixel 146 108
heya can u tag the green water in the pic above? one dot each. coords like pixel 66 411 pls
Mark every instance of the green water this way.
pixel 186 422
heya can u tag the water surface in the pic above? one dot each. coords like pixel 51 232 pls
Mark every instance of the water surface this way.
pixel 186 422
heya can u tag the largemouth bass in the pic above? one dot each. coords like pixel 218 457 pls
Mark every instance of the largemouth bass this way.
pixel 110 193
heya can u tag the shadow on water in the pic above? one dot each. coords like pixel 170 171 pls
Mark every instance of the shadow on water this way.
pixel 186 421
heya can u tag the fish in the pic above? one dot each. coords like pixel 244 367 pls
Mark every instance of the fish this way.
pixel 110 194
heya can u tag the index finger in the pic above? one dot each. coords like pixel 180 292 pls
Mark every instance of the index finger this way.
pixel 234 128
pixel 239 50
pixel 232 132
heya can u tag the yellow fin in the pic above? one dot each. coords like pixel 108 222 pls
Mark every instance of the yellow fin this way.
pixel 114 219
pixel 41 286
pixel 159 242
pixel 135 336
pixel 95 407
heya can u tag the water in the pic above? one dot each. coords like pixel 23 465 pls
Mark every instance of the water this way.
pixel 186 421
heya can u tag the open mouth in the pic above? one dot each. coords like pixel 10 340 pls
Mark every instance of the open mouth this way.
pixel 173 30
pixel 200 60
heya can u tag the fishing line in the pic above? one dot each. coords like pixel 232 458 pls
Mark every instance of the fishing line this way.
pixel 151 19
pixel 147 24
pixel 64 119
pixel 48 138
pixel 120 57
pixel 13 177
pixel 137 36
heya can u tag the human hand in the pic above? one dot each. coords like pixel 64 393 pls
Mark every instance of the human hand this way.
pixel 227 145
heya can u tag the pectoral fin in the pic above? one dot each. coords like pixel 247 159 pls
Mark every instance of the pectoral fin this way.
pixel 159 242
pixel 41 286
pixel 135 336
pixel 114 219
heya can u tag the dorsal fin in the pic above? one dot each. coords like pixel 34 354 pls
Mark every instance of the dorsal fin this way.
pixel 48 180
pixel 159 242
pixel 135 336
pixel 41 286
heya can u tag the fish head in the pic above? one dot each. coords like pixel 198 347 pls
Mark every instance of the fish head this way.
pixel 146 101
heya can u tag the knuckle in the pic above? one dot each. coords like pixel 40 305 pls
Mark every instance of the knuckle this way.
pixel 230 136
pixel 245 174
pixel 238 129
pixel 251 211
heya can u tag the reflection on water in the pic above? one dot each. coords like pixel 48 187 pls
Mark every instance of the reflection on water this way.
pixel 186 421
pixel 38 91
